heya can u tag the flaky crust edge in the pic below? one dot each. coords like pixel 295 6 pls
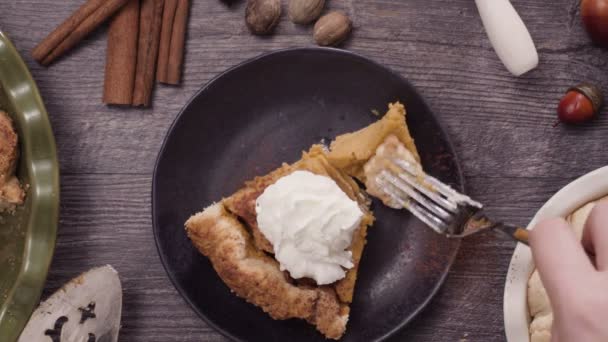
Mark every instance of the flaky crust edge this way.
pixel 256 277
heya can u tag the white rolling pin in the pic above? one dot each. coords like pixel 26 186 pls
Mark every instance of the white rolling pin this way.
pixel 509 35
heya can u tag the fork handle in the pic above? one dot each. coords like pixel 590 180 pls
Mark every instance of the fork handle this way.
pixel 517 233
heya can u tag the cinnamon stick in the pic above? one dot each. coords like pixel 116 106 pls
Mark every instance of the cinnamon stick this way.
pixel 121 60
pixel 165 39
pixel 88 17
pixel 171 56
pixel 151 12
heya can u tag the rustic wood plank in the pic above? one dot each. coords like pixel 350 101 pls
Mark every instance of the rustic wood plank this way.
pixel 444 53
pixel 512 157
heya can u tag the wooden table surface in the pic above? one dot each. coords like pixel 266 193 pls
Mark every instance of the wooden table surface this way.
pixel 502 127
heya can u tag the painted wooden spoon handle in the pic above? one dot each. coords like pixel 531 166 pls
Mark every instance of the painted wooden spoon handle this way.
pixel 508 35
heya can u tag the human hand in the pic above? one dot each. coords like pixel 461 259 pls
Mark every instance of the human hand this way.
pixel 575 275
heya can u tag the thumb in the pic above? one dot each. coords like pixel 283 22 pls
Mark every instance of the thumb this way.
pixel 559 256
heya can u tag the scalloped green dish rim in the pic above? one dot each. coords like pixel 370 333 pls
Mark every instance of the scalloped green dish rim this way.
pixel 32 231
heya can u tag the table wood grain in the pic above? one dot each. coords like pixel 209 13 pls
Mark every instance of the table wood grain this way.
pixel 502 127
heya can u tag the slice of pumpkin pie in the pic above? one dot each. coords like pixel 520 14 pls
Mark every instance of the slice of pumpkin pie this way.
pixel 291 241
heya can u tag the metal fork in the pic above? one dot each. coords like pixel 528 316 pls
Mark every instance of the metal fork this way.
pixel 442 208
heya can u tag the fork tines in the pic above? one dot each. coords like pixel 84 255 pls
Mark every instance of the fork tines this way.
pixel 430 200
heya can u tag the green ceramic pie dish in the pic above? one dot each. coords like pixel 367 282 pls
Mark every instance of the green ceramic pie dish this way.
pixel 27 238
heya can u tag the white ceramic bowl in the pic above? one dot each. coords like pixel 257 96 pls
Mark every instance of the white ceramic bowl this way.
pixel 574 195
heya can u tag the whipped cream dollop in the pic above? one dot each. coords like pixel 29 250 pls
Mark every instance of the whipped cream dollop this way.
pixel 310 222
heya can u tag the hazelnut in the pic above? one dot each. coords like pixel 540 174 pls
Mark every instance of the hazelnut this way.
pixel 580 104
pixel 305 11
pixel 262 16
pixel 332 29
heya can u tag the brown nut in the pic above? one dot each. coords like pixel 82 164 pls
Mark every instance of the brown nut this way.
pixel 305 11
pixel 262 16
pixel 580 104
pixel 595 20
pixel 332 29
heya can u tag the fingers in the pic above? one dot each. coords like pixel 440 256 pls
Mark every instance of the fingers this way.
pixel 559 257
pixel 595 235
pixel 554 331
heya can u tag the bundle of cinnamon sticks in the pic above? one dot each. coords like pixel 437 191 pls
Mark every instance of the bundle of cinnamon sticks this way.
pixel 146 41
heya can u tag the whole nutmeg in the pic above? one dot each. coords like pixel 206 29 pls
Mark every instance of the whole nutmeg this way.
pixel 595 19
pixel 305 11
pixel 580 104
pixel 332 29
pixel 262 16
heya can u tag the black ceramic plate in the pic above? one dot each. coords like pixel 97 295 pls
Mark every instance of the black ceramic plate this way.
pixel 264 112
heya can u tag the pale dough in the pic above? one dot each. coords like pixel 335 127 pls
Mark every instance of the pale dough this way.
pixel 538 301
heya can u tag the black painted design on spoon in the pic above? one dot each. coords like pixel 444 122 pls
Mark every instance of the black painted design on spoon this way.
pixel 88 312
pixel 55 333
